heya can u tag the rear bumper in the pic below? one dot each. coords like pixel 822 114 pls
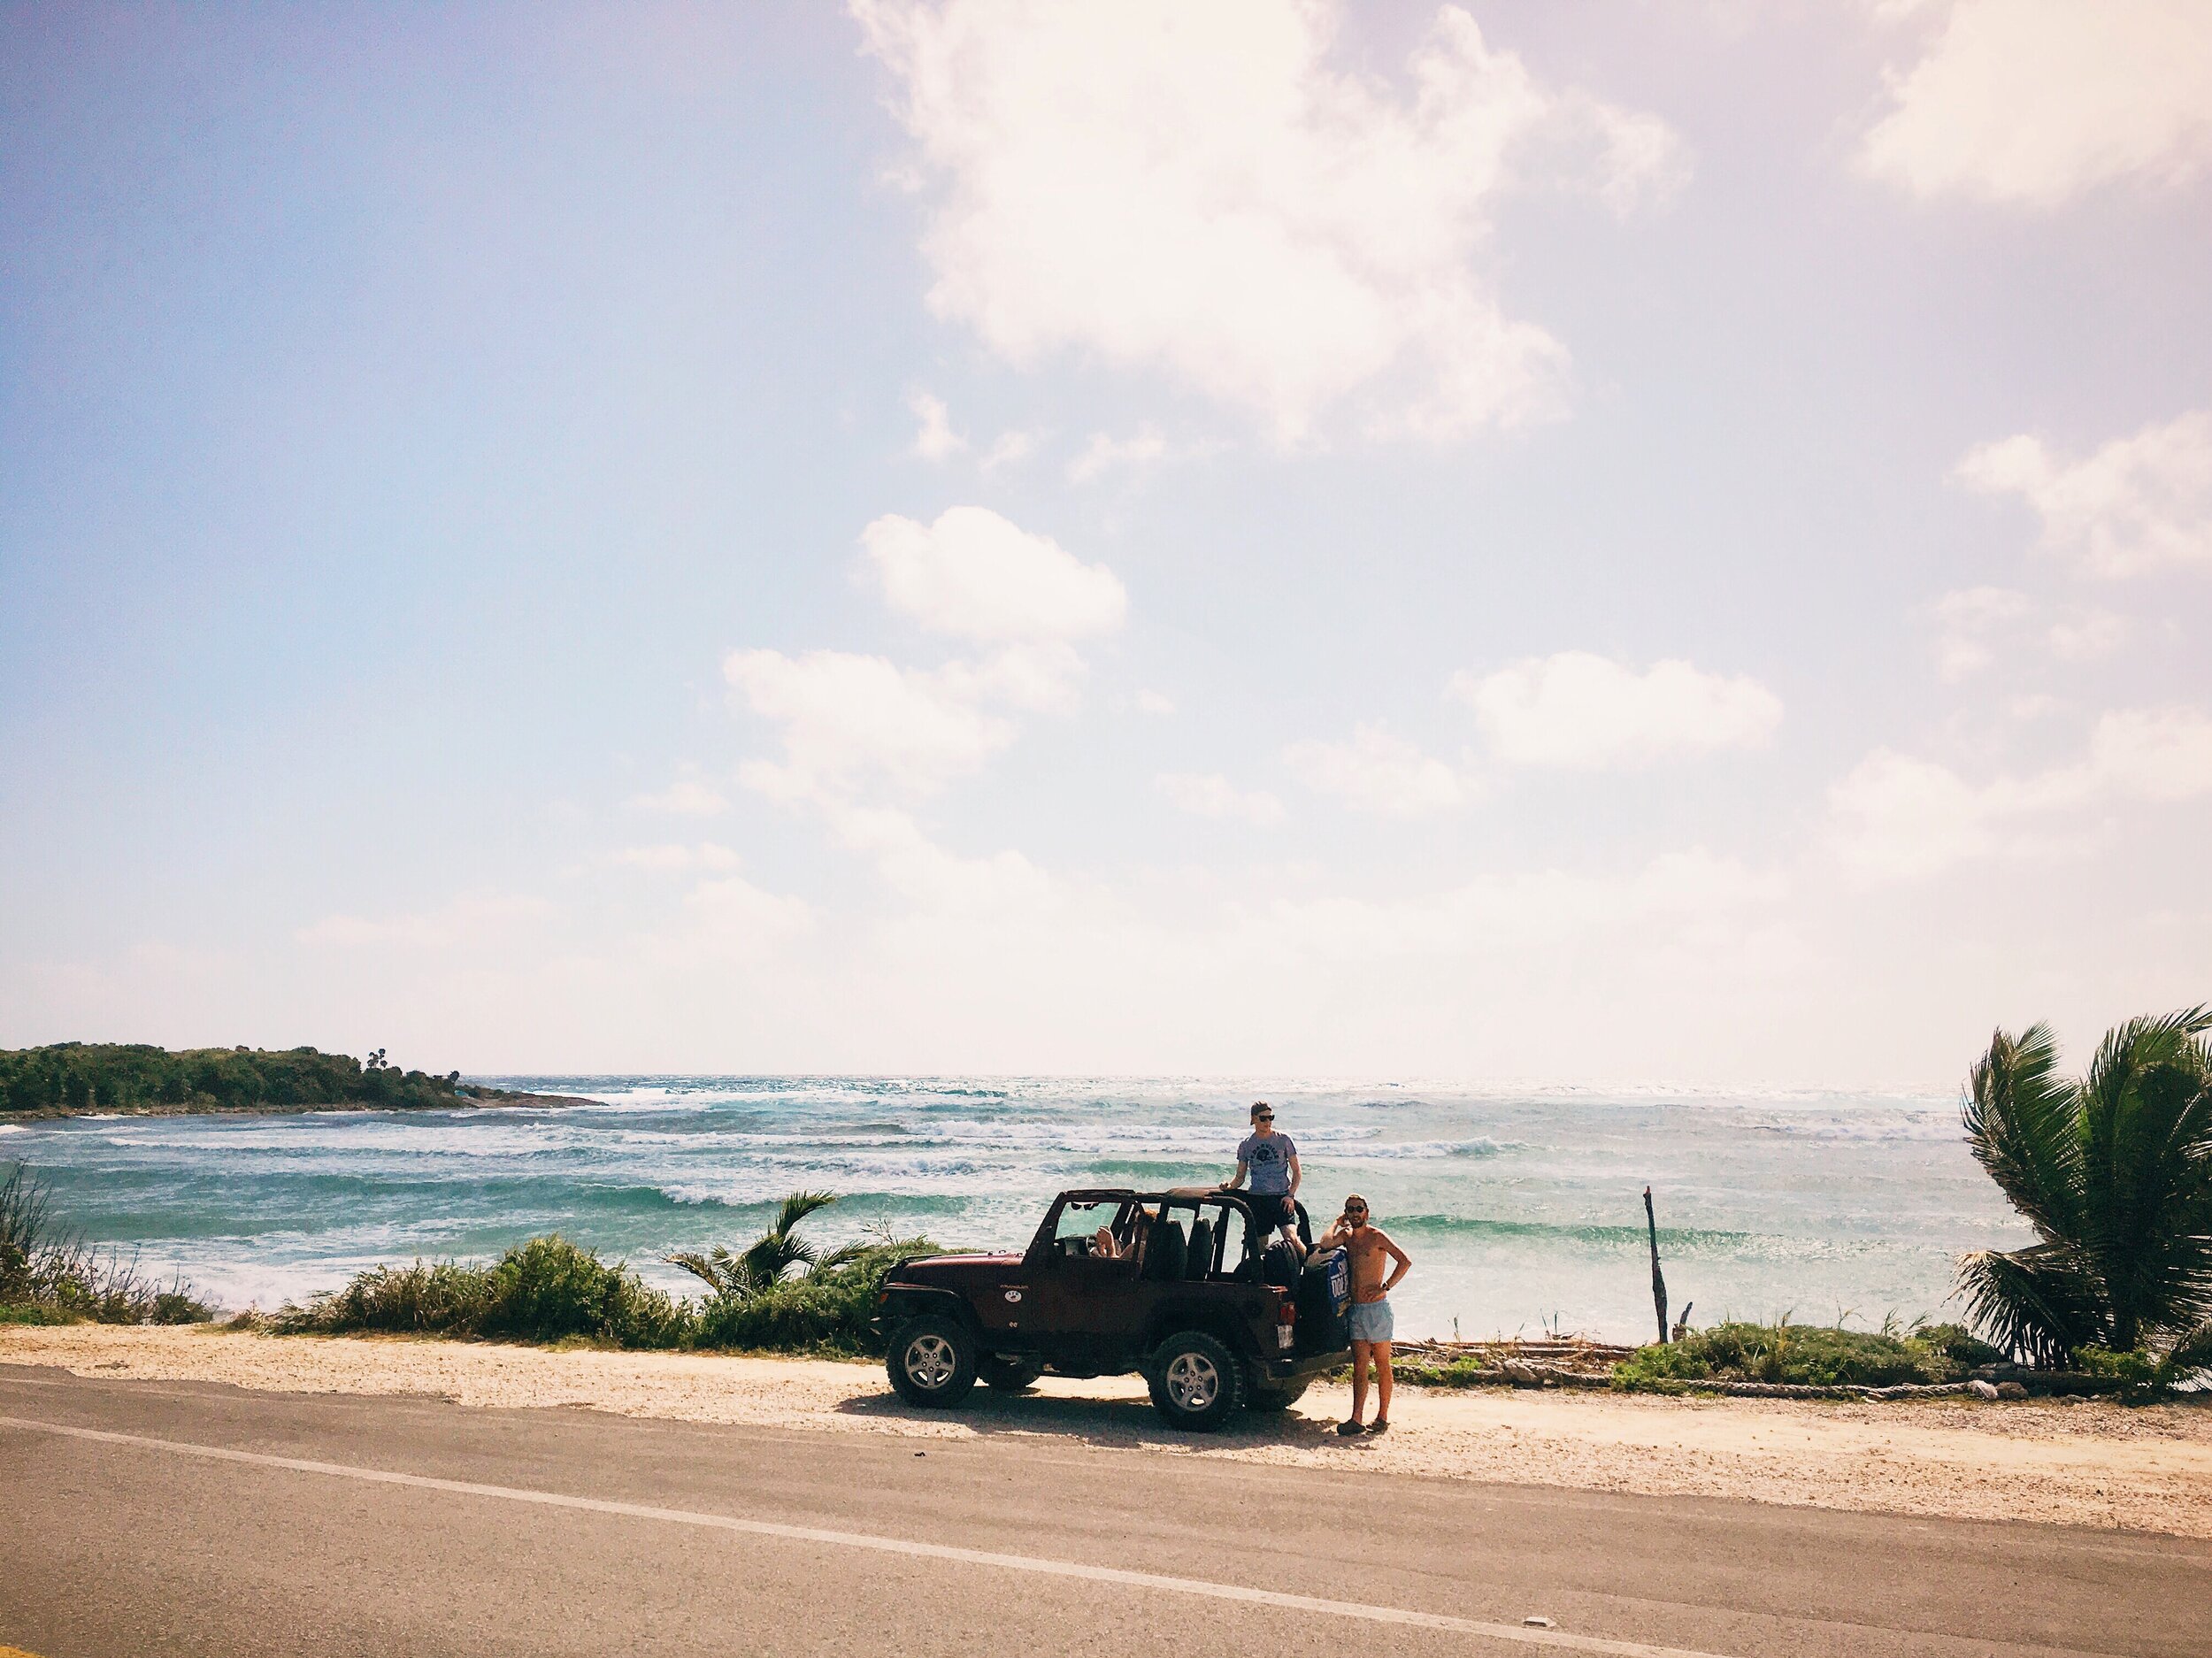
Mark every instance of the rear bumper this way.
pixel 1291 1370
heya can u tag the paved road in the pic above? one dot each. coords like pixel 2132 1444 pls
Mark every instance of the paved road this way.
pixel 426 1528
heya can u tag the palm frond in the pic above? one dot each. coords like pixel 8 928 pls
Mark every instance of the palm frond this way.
pixel 717 1268
pixel 2038 1303
pixel 797 1207
pixel 2190 1354
pixel 845 1255
pixel 2023 1124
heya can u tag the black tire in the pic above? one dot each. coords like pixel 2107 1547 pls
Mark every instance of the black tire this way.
pixel 931 1360
pixel 1276 1397
pixel 1007 1373
pixel 1197 1382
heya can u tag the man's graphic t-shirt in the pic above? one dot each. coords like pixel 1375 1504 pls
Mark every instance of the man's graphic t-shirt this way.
pixel 1268 1157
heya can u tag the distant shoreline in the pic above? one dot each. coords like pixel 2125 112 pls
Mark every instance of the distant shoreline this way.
pixel 467 1098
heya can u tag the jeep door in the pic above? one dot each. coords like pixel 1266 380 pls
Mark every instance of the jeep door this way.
pixel 1084 1310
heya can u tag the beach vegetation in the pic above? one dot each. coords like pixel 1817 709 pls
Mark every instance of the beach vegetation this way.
pixel 771 1259
pixel 781 1294
pixel 548 1289
pixel 1806 1355
pixel 2114 1172
pixel 50 1274
pixel 68 1076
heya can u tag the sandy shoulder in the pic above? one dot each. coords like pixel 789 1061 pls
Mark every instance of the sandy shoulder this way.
pixel 2147 1469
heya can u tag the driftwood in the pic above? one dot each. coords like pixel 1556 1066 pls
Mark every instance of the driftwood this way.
pixel 1658 1279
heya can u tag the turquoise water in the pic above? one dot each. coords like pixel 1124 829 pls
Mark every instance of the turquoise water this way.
pixel 1522 1209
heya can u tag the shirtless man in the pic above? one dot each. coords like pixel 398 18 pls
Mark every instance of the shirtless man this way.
pixel 1372 1331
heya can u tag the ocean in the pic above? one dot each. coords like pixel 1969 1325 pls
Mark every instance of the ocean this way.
pixel 1521 1209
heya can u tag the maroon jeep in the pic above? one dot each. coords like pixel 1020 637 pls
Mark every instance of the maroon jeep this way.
pixel 1179 1286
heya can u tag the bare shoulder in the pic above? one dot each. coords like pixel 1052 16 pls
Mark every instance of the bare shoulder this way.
pixel 1384 1240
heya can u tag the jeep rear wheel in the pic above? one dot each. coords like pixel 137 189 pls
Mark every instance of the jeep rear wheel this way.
pixel 932 1360
pixel 1007 1373
pixel 1197 1382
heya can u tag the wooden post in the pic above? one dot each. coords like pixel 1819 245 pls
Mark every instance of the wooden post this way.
pixel 1658 1279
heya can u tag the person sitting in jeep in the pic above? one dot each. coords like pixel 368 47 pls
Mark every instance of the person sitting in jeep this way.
pixel 1270 1161
pixel 1128 1246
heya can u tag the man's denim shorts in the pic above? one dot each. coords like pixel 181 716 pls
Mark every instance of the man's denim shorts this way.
pixel 1371 1321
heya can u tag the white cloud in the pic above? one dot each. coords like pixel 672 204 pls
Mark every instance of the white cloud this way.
pixel 2031 101
pixel 1378 772
pixel 1155 702
pixel 848 720
pixel 675 859
pixel 852 723
pixel 2163 754
pixel 2138 503
pixel 2085 635
pixel 1580 712
pixel 1198 190
pixel 1968 624
pixel 1010 448
pixel 1896 817
pixel 1104 452
pixel 472 918
pixel 935 439
pixel 686 797
pixel 733 919
pixel 1210 795
pixel 1975 626
pixel 975 575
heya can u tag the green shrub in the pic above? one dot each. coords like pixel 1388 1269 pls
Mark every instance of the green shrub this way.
pixel 1804 1355
pixel 548 1289
pixel 31 1313
pixel 827 1312
pixel 430 1297
pixel 45 1271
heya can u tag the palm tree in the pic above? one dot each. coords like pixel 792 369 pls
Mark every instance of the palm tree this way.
pixel 770 1258
pixel 2115 1174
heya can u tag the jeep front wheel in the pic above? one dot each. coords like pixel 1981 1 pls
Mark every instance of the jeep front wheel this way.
pixel 1197 1382
pixel 932 1360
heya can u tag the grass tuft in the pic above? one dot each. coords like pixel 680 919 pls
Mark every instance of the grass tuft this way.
pixel 50 1276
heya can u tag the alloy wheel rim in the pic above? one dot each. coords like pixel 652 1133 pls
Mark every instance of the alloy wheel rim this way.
pixel 1192 1381
pixel 929 1361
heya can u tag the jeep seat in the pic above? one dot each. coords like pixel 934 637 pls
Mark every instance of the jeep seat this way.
pixel 1201 1249
pixel 1165 1251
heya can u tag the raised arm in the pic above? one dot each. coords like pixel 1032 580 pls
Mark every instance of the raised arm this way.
pixel 1335 1238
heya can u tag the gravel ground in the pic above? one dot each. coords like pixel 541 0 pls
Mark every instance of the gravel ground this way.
pixel 2089 1463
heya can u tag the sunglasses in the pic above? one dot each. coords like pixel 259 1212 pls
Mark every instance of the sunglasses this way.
pixel 1265 1116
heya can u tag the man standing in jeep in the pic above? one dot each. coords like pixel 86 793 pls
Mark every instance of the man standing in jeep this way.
pixel 1269 1160
pixel 1371 1325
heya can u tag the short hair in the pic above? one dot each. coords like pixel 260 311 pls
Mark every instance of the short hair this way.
pixel 1261 1105
pixel 1351 1198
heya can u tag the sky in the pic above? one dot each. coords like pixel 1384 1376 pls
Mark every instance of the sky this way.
pixel 1579 544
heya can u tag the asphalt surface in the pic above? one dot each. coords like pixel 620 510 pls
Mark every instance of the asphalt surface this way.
pixel 779 1543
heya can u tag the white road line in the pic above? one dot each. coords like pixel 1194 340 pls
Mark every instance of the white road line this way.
pixel 1039 1565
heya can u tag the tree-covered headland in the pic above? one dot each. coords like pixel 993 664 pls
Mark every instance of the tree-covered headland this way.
pixel 135 1077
